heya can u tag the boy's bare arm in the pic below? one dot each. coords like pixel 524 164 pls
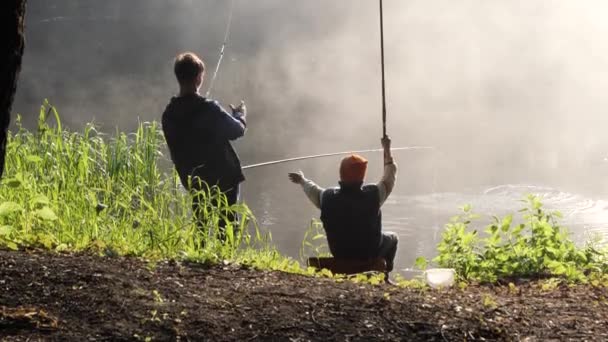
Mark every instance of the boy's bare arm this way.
pixel 312 190
pixel 387 183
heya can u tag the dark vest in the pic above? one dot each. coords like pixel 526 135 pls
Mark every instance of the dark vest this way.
pixel 352 219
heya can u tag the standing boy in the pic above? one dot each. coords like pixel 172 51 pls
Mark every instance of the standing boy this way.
pixel 198 132
pixel 351 213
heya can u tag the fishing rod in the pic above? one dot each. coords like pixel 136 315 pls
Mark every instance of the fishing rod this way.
pixel 280 161
pixel 221 57
pixel 382 65
pixel 383 114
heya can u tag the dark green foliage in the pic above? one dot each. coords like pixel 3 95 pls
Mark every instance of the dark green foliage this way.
pixel 537 247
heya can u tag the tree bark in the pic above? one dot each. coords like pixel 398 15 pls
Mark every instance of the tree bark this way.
pixel 12 17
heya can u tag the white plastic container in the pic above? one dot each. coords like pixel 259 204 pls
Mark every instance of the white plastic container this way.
pixel 439 277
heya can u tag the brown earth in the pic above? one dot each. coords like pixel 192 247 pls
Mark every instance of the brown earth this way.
pixel 47 296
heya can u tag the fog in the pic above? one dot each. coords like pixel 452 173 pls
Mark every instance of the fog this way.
pixel 502 89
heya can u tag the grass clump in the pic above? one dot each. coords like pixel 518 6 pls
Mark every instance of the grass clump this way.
pixel 539 247
pixel 84 190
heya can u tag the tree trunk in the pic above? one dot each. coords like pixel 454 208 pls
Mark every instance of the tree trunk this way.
pixel 12 17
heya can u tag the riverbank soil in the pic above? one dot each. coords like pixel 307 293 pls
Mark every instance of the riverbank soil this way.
pixel 63 297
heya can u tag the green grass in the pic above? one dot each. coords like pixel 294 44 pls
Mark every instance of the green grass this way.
pixel 85 191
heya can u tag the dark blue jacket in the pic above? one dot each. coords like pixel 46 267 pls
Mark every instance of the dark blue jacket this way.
pixel 352 219
pixel 198 132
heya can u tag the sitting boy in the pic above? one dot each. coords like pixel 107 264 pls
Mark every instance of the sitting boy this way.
pixel 351 213
pixel 198 132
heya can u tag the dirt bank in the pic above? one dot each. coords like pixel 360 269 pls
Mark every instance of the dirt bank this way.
pixel 87 298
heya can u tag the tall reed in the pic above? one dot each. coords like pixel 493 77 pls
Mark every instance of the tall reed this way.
pixel 86 190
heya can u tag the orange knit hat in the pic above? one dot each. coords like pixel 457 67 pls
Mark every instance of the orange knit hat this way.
pixel 353 169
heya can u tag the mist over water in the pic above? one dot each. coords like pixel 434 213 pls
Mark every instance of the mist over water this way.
pixel 510 93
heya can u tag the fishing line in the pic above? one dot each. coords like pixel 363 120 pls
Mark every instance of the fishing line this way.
pixel 221 57
pixel 280 161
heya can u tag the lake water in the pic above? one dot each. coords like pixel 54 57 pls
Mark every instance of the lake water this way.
pixel 425 197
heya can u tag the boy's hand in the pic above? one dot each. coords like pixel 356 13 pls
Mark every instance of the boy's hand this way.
pixel 240 110
pixel 296 177
pixel 386 143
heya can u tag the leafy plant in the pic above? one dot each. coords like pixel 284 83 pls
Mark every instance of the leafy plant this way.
pixel 537 247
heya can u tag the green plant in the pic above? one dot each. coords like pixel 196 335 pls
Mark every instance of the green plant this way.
pixel 550 284
pixel 537 247
pixel 488 301
pixel 415 283
pixel 157 296
pixel 314 242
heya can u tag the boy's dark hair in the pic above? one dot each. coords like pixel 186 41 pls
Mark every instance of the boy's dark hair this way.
pixel 187 67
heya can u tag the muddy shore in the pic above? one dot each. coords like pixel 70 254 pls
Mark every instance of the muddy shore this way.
pixel 54 297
